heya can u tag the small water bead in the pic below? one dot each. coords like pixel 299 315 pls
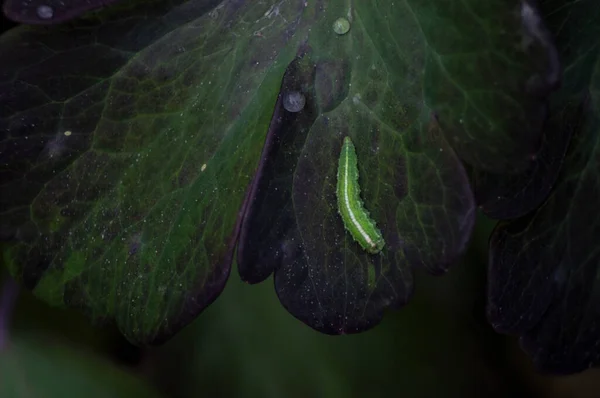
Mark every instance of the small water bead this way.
pixel 45 12
pixel 341 26
pixel 294 101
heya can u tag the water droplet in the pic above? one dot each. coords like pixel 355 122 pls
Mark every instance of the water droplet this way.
pixel 341 26
pixel 45 12
pixel 294 101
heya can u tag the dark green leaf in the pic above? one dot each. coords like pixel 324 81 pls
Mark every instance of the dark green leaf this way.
pixel 509 196
pixel 127 145
pixel 130 136
pixel 413 184
pixel 488 68
pixel 544 268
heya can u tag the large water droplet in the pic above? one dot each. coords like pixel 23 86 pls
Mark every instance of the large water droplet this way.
pixel 341 26
pixel 45 12
pixel 294 101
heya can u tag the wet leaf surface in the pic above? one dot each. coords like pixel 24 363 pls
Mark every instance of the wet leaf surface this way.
pixel 136 140
pixel 509 196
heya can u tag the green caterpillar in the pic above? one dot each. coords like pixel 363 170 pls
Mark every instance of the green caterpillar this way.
pixel 350 206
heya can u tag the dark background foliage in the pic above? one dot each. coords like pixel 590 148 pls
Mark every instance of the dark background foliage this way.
pixel 247 345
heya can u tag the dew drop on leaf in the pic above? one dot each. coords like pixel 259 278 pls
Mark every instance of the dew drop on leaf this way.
pixel 341 26
pixel 294 101
pixel 45 12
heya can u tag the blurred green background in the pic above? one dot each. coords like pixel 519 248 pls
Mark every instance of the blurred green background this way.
pixel 247 345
